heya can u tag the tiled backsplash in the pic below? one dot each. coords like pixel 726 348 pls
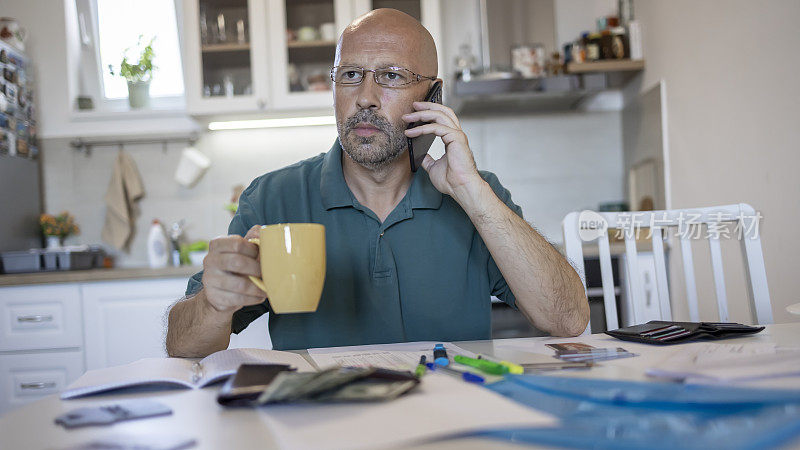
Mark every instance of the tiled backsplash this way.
pixel 551 163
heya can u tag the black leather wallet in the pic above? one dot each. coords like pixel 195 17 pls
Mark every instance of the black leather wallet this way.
pixel 662 332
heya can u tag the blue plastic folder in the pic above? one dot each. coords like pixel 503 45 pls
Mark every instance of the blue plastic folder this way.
pixel 624 414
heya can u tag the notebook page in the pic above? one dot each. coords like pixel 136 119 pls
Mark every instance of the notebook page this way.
pixel 142 372
pixel 219 365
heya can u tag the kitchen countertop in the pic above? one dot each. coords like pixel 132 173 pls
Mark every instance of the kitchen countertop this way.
pixel 591 250
pixel 618 248
pixel 79 276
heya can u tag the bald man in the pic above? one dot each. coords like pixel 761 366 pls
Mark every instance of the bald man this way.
pixel 411 256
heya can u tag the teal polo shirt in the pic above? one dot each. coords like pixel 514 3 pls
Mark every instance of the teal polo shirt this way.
pixel 423 274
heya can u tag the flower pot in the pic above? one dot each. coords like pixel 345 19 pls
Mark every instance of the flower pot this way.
pixel 53 242
pixel 139 94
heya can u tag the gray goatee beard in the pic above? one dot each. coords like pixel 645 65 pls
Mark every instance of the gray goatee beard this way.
pixel 372 152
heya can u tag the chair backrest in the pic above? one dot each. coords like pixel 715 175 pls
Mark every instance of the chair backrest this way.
pixel 583 227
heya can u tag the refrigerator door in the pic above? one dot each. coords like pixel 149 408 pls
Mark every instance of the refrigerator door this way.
pixel 20 203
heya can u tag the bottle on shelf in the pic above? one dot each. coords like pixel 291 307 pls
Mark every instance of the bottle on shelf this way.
pixel 157 246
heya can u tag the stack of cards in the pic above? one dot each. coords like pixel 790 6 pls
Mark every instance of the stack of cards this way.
pixel 580 352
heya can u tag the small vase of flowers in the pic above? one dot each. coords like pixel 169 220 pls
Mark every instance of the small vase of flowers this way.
pixel 56 228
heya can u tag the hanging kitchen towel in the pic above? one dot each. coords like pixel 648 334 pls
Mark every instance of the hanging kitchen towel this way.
pixel 124 190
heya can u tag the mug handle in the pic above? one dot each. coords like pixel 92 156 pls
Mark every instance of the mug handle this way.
pixel 257 281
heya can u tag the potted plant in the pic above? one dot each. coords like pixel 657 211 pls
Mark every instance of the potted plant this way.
pixel 139 74
pixel 56 228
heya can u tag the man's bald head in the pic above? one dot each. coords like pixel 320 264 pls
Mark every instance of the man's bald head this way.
pixel 369 116
pixel 394 31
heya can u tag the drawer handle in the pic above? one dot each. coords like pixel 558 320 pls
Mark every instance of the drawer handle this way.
pixel 37 385
pixel 36 318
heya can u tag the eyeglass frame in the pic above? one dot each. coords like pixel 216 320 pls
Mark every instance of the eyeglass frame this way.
pixel 375 76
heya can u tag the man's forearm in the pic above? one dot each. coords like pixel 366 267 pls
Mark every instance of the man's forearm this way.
pixel 548 290
pixel 196 329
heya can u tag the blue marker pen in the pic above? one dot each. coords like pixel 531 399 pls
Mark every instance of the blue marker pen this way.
pixel 466 376
pixel 440 355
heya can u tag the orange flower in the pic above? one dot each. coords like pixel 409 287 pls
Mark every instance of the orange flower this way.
pixel 62 225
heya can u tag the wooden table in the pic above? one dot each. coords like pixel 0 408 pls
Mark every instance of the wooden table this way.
pixel 197 414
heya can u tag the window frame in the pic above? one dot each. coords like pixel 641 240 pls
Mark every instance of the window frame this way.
pixel 91 77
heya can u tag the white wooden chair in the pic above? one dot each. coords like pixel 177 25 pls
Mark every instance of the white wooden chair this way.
pixel 743 217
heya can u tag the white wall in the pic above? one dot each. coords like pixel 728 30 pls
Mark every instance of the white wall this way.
pixel 75 182
pixel 732 98
pixel 552 164
pixel 574 17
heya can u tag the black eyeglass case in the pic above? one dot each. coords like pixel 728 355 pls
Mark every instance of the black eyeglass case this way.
pixel 662 332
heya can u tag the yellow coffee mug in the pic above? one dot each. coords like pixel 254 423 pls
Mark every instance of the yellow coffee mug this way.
pixel 292 265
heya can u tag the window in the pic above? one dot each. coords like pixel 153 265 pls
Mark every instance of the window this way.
pixel 119 25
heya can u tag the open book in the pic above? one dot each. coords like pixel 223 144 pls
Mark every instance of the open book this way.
pixel 179 371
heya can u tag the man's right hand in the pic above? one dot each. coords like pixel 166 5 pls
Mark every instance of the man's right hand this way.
pixel 229 261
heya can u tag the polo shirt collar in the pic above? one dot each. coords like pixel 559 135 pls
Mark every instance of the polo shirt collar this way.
pixel 423 194
pixel 333 189
pixel 335 193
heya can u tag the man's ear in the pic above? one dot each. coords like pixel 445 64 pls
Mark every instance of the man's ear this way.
pixel 433 82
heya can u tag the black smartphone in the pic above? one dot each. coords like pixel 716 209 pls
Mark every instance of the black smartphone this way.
pixel 418 146
pixel 247 384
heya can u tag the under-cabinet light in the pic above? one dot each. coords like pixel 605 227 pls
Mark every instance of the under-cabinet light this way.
pixel 272 123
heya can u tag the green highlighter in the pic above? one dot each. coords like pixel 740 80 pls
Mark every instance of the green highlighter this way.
pixel 484 365
pixel 420 367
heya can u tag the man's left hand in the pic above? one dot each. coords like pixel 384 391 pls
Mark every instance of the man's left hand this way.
pixel 456 170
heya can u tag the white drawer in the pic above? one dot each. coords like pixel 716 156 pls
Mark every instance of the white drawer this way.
pixel 26 377
pixel 40 317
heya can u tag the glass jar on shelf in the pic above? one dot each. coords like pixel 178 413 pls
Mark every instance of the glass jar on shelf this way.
pixel 311 43
pixel 226 58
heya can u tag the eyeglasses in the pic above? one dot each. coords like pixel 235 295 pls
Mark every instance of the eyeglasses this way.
pixel 385 76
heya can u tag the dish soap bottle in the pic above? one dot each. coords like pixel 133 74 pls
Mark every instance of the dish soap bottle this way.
pixel 157 246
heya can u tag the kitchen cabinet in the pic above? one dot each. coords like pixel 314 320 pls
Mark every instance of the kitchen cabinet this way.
pixel 40 341
pixel 274 55
pixel 650 308
pixel 27 377
pixel 223 48
pixel 302 45
pixel 626 315
pixel 127 320
pixel 41 317
pixel 50 334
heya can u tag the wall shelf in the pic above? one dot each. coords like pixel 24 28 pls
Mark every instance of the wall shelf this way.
pixel 216 48
pixel 619 65
pixel 310 44
pixel 496 94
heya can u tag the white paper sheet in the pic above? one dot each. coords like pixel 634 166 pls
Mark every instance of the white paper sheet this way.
pixel 728 363
pixel 401 356
pixel 441 406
